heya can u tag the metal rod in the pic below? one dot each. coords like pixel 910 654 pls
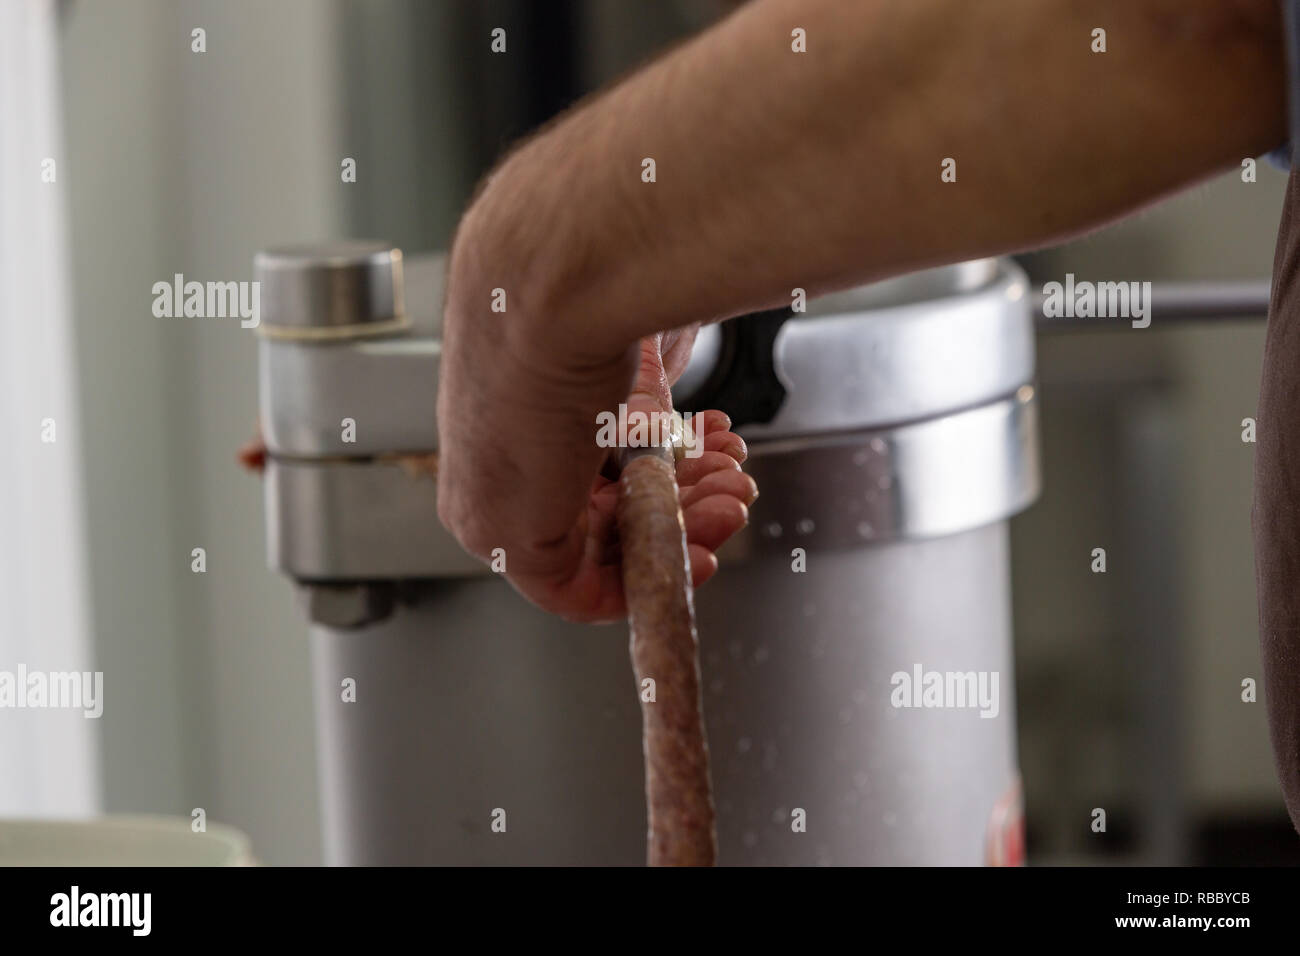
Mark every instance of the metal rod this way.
pixel 1179 302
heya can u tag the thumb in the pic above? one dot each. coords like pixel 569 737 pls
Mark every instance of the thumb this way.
pixel 650 389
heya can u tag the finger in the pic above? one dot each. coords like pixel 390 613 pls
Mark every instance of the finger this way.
pixel 600 600
pixel 723 482
pixel 712 520
pixel 602 543
pixel 710 420
pixel 728 443
pixel 605 498
pixel 675 347
pixel 650 389
pixel 704 564
pixel 692 470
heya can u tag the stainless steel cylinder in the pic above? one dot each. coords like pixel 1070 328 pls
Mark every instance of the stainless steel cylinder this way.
pixel 472 710
pixel 467 701
pixel 799 709
pixel 856 645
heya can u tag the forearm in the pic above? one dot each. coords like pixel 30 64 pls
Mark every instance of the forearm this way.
pixel 777 169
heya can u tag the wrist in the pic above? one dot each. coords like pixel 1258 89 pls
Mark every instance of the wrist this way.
pixel 520 265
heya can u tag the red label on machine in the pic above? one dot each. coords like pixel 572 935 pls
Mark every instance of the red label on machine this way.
pixel 1006 834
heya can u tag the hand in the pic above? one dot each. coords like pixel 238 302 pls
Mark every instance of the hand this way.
pixel 520 471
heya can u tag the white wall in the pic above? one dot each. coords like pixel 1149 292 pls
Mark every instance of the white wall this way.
pixel 48 757
pixel 190 162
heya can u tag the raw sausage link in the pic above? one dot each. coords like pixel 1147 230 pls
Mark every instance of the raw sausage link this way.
pixel 661 616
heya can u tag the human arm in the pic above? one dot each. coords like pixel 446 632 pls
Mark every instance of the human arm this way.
pixel 777 169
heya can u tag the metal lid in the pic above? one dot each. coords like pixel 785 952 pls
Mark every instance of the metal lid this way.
pixel 927 479
pixel 903 351
pixel 331 291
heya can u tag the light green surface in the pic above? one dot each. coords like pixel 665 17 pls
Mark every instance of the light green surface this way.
pixel 120 841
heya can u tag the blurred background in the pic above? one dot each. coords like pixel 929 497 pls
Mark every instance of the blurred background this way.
pixel 1129 683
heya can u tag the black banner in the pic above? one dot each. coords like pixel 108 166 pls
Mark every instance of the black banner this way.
pixel 336 905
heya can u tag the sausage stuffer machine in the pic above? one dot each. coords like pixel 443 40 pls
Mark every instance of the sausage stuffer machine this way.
pixel 892 432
